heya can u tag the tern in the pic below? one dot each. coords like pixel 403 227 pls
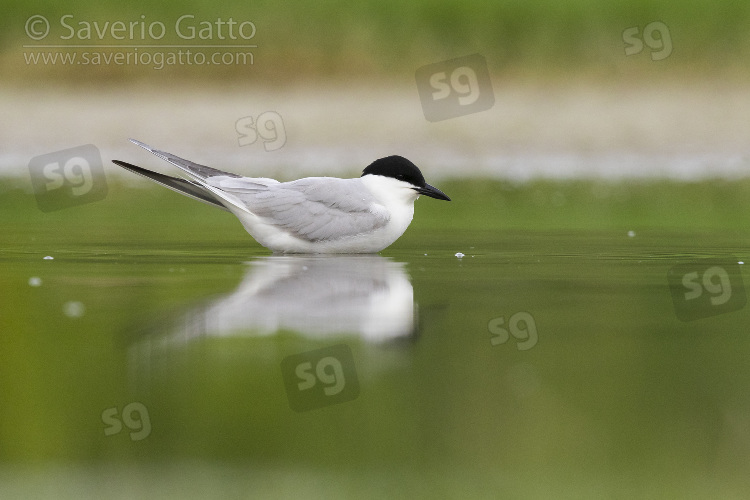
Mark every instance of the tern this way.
pixel 314 215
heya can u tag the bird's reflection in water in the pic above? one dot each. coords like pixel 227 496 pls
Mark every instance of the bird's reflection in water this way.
pixel 360 297
pixel 368 296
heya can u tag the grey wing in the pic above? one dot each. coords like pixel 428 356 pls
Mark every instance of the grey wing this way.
pixel 181 186
pixel 194 168
pixel 312 209
pixel 204 176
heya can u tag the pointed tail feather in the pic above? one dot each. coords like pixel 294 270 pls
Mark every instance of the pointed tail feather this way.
pixel 199 173
pixel 179 185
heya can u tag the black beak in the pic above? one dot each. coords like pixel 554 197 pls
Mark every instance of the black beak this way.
pixel 432 192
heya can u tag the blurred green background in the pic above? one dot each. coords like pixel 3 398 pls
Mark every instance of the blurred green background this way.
pixel 379 39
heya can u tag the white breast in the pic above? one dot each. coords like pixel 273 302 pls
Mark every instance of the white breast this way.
pixel 391 198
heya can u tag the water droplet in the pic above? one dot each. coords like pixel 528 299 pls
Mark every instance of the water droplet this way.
pixel 74 309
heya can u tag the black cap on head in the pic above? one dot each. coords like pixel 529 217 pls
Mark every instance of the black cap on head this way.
pixel 397 167
pixel 402 169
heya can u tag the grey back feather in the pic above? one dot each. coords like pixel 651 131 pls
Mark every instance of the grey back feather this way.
pixel 312 209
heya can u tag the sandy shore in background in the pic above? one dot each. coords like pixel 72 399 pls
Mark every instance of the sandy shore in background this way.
pixel 677 130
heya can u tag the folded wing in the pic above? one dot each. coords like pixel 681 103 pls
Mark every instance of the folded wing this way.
pixel 182 186
pixel 198 173
pixel 312 209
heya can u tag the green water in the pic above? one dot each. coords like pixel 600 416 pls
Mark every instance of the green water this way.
pixel 598 391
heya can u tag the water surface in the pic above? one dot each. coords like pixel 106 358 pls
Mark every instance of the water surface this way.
pixel 539 364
